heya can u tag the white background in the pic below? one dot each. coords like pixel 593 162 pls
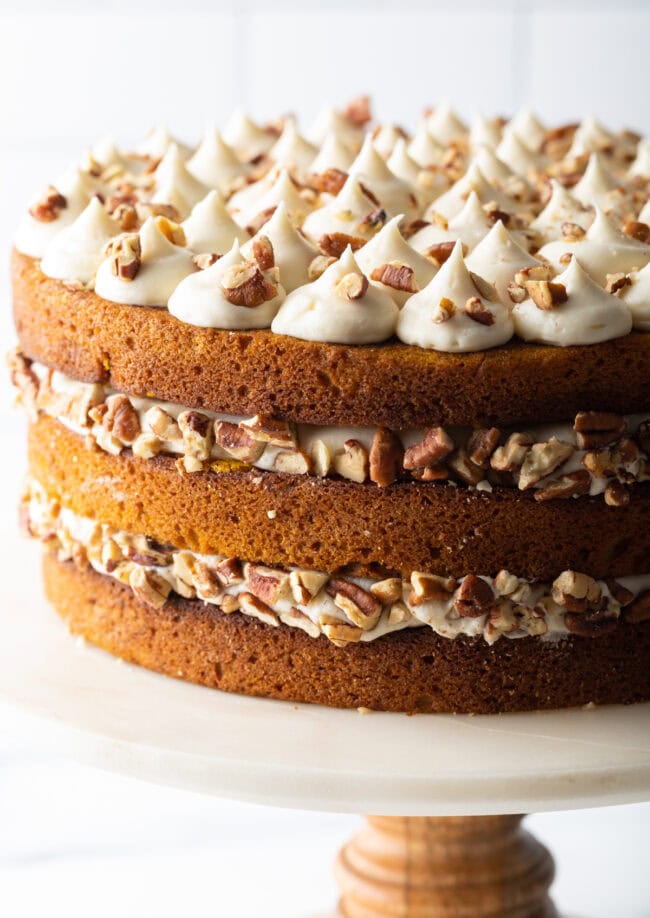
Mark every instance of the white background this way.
pixel 82 843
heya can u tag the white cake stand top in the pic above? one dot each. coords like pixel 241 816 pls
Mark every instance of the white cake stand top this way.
pixel 123 718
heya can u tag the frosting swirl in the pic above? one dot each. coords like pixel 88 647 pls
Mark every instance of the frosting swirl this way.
pixel 452 314
pixel 293 252
pixel 34 234
pixel 215 162
pixel 175 185
pixel 393 194
pixel 210 228
pixel 77 251
pixel 497 258
pixel 210 299
pixel 340 307
pixel 346 213
pixel 389 247
pixel 636 296
pixel 588 315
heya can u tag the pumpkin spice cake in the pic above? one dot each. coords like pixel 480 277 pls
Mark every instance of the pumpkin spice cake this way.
pixel 358 417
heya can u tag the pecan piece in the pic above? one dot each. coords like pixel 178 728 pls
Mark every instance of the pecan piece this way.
pixel 464 469
pixel 306 584
pixel 260 220
pixel 251 605
pixel 481 444
pixel 121 419
pixel 196 430
pixel 616 494
pixel 237 442
pixel 263 253
pixel 335 244
pixel 542 459
pixel 358 111
pixel 229 571
pixel 592 624
pixel 611 461
pixel 360 606
pixel 49 205
pixel 430 588
pixel 573 484
pixel 269 430
pixel 435 445
pixel 643 436
pixel 374 218
pixel 617 282
pixel 266 583
pixel 125 254
pixel 387 591
pixel 386 457
pixel 396 275
pixel 618 592
pixel 476 309
pixel 352 285
pixel 293 462
pixel 149 587
pixel 474 597
pixel 352 463
pixel 572 232
pixel 329 182
pixel 440 252
pixel 598 428
pixel 510 456
pixel 576 592
pixel 245 285
pixel 319 265
pixel 637 230
pixel 546 295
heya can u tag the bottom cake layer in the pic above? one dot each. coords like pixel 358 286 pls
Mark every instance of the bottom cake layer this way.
pixel 412 671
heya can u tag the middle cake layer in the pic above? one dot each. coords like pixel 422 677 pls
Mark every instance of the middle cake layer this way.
pixel 337 525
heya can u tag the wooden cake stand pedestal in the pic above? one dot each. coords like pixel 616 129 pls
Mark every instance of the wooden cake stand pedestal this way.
pixel 445 843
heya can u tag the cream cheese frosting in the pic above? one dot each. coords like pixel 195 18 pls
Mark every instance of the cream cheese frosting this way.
pixel 603 250
pixel 424 149
pixel 293 252
pixel 175 185
pixel 204 298
pixel 162 266
pixel 393 194
pixel 331 122
pixel 34 234
pixel 158 141
pixel 282 191
pixel 333 154
pixel 588 315
pixel 515 154
pixel 561 208
pixel 452 202
pixel 470 225
pixel 591 137
pixel 246 137
pixel 215 162
pixel 445 125
pixel 346 213
pixel 77 251
pixel 636 296
pixel 641 164
pixel 210 228
pixel 498 257
pixel 292 150
pixel 452 314
pixel 599 186
pixel 340 307
pixel 389 247
pixel 528 128
pixel 484 132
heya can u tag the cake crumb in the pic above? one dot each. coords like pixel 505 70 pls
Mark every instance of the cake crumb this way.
pixel 271 514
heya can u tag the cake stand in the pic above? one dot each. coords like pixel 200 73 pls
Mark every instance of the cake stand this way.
pixel 448 841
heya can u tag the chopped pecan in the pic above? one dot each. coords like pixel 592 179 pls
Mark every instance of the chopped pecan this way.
pixel 319 265
pixel 352 285
pixel 358 111
pixel 617 282
pixel 481 444
pixel 573 484
pixel 431 473
pixel 49 205
pixel 270 430
pixel 639 610
pixel 294 462
pixel 127 217
pixel 196 430
pixel 146 209
pixel 595 429
pixel 446 310
pixel 396 275
pixel 335 244
pixel 23 377
pixel 643 436
pixel 373 219
pixel 229 571
pixel 476 309
pixel 516 292
pixel 205 580
pixel 412 227
pixel 162 424
pixel 596 623
pixel 433 448
pixel 541 460
pixel 329 182
pixel 266 583
pixel 352 462
pixel 205 260
pixel 637 230
pixel 576 592
pixel 245 285
pixel 360 606
pixel 441 251
pixel 510 456
pixel 546 295
pixel 237 442
pixel 260 220
pixel 121 419
pixel 125 254
pixel 474 597
pixel 306 584
pixel 171 230
pixel 251 605
pixel 616 494
pixel 229 603
pixel 263 253
pixel 321 457
pixel 149 587
pixel 387 591
pixel 618 592
pixel 484 288
pixel 399 613
pixel 341 634
pixel 612 461
pixel 430 588
pixel 463 467
pixel 386 457
pixel 572 232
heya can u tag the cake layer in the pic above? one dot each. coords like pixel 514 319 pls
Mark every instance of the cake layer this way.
pixel 597 453
pixel 413 670
pixel 146 351
pixel 346 609
pixel 333 525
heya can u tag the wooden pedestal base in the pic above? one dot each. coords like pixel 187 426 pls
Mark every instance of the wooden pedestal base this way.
pixel 448 867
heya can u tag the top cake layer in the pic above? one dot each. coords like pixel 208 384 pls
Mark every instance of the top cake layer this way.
pixel 476 234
